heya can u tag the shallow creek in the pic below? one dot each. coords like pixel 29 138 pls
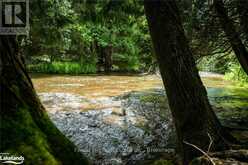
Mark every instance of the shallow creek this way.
pixel 122 119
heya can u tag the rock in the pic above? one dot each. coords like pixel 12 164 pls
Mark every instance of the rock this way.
pixel 118 111
pixel 148 139
pixel 136 134
pixel 122 139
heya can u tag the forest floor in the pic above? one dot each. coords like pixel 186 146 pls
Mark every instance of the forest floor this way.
pixel 124 119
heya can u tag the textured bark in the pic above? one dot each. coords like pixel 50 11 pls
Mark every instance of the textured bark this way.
pixel 193 116
pixel 233 37
pixel 243 15
pixel 25 126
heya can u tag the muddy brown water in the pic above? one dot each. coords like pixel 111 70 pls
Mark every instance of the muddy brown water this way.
pixel 99 86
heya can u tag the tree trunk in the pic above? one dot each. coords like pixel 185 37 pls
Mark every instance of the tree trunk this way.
pixel 108 58
pixel 25 126
pixel 193 116
pixel 100 57
pixel 233 37
pixel 243 15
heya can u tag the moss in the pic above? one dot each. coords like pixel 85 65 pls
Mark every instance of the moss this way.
pixel 28 132
pixel 115 141
pixel 15 89
pixel 159 103
pixel 154 98
pixel 23 138
pixel 54 144
pixel 38 154
pixel 144 126
pixel 162 162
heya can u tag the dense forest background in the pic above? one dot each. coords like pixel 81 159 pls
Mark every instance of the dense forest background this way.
pixel 112 36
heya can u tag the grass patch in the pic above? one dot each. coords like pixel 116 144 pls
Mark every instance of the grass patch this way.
pixel 63 68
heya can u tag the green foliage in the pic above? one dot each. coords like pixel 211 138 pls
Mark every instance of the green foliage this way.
pixel 76 30
pixel 227 65
pixel 236 73
pixel 216 63
pixel 63 68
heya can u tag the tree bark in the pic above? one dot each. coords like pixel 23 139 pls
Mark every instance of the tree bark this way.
pixel 193 116
pixel 25 126
pixel 233 37
pixel 242 9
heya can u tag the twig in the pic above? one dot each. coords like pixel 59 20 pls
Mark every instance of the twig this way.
pixel 211 160
pixel 211 142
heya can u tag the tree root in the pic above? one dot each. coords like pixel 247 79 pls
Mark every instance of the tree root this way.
pixel 228 157
pixel 239 155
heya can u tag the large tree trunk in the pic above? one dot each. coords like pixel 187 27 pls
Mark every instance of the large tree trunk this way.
pixel 243 15
pixel 233 37
pixel 25 127
pixel 193 116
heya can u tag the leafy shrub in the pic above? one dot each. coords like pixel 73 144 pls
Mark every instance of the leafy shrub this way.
pixel 236 73
pixel 215 63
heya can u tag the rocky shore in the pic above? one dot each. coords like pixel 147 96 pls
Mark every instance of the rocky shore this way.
pixel 137 130
pixel 126 129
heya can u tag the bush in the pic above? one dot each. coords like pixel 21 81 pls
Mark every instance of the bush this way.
pixel 236 73
pixel 214 64
pixel 63 68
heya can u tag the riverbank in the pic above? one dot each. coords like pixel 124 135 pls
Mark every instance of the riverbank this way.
pixel 126 119
pixel 113 135
pixel 137 127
